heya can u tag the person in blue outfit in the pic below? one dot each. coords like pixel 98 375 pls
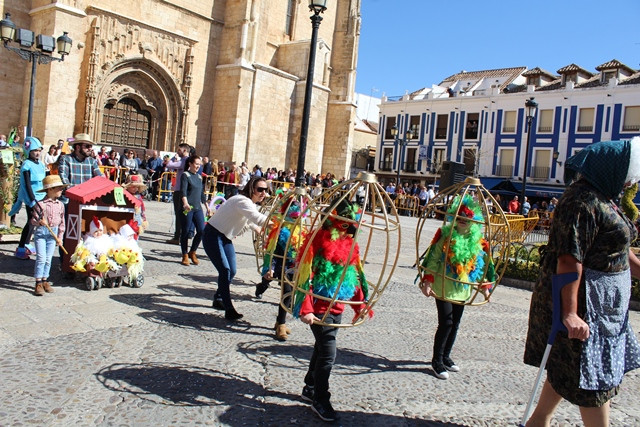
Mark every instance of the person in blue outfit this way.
pixel 32 172
pixel 589 235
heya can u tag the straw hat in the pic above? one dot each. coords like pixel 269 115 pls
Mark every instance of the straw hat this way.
pixel 82 138
pixel 52 181
pixel 134 180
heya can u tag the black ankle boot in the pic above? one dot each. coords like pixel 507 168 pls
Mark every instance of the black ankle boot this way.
pixel 260 289
pixel 232 315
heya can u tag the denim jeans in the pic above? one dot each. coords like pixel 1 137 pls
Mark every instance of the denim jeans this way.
pixel 449 316
pixel 195 217
pixel 222 254
pixel 323 357
pixel 45 246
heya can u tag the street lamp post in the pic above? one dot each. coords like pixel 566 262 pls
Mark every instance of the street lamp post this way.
pixel 42 55
pixel 531 106
pixel 400 144
pixel 317 7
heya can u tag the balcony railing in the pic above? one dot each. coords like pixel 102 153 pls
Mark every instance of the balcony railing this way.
pixel 544 129
pixel 630 128
pixel 585 128
pixel 410 166
pixel 504 170
pixel 385 166
pixel 508 129
pixel 540 172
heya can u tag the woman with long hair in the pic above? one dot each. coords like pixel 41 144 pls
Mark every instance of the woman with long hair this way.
pixel 231 219
pixel 191 187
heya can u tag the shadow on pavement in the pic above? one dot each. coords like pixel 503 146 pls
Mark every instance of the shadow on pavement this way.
pixel 348 362
pixel 162 308
pixel 247 402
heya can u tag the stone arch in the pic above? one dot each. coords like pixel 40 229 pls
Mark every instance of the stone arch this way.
pixel 153 89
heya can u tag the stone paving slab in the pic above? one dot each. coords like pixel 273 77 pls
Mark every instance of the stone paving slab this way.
pixel 159 355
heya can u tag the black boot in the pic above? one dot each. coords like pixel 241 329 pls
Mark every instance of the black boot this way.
pixel 232 315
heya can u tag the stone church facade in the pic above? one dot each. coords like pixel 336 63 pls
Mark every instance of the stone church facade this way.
pixel 226 76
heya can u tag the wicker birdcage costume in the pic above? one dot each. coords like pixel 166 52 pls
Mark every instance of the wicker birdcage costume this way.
pixel 266 207
pixel 330 263
pixel 466 267
pixel 282 238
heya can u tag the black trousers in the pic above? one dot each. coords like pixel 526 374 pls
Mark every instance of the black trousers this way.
pixel 25 237
pixel 323 357
pixel 286 287
pixel 449 316
pixel 177 210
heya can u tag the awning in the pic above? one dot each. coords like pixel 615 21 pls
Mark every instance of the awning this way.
pixel 510 187
pixel 490 182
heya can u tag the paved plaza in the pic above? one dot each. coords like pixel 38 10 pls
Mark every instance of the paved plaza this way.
pixel 161 356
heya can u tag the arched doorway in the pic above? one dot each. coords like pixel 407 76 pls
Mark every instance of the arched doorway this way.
pixel 138 105
pixel 125 123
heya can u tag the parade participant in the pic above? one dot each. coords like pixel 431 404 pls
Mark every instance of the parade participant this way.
pixel 457 256
pixel 281 250
pixel 135 186
pixel 32 172
pixel 231 220
pixel 331 260
pixel 191 190
pixel 48 222
pixel 589 236
pixel 79 166
pixel 92 252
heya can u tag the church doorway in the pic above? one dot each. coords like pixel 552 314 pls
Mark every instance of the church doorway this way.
pixel 125 123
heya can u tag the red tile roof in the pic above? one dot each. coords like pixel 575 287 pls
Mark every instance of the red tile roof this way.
pixel 613 65
pixel 95 188
pixel 573 67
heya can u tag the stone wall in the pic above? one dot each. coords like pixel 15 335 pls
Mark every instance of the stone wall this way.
pixel 218 74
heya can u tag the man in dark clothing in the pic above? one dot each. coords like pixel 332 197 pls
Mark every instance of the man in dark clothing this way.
pixel 154 170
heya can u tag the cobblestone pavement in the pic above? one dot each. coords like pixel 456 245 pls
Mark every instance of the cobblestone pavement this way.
pixel 159 355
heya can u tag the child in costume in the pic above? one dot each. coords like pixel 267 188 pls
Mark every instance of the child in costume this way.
pixel 459 255
pixel 32 172
pixel 92 253
pixel 283 232
pixel 135 186
pixel 331 251
pixel 126 250
pixel 48 222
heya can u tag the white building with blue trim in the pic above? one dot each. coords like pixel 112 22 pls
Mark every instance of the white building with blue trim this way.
pixel 478 119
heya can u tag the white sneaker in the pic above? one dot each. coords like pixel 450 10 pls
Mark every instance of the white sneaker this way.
pixel 450 365
pixel 439 371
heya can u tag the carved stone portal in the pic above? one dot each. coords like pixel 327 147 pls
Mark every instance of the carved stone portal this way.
pixel 134 64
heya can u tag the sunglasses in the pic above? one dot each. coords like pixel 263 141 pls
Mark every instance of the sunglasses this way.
pixel 261 189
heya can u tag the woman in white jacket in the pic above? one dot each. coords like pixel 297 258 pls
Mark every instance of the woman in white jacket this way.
pixel 231 219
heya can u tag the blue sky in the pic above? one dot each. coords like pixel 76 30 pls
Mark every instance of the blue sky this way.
pixel 410 44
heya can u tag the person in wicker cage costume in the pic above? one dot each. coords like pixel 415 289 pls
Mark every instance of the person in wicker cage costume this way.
pixel 457 259
pixel 284 236
pixel 332 252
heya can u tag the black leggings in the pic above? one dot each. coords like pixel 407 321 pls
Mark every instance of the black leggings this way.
pixel 25 237
pixel 449 316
